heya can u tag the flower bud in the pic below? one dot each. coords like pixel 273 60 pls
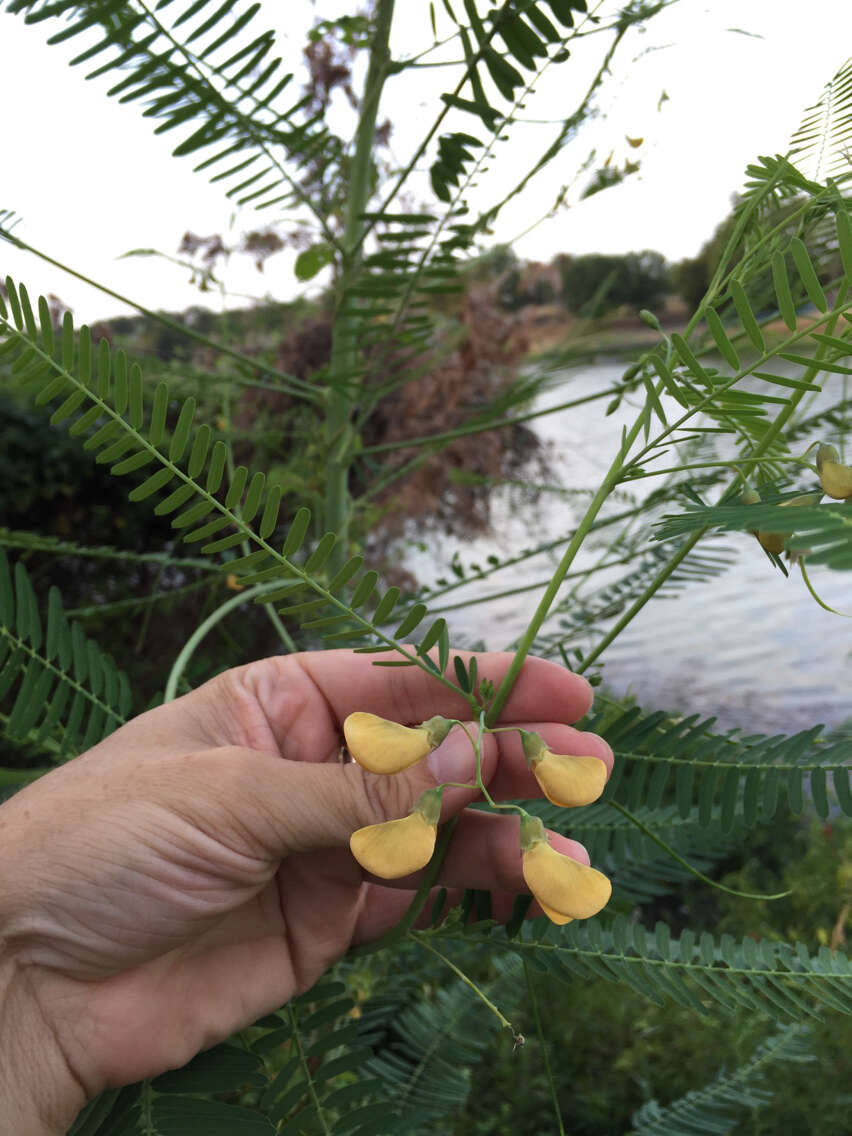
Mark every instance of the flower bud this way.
pixel 387 747
pixel 565 779
pixel 397 848
pixel 565 889
pixel 834 476
pixel 773 542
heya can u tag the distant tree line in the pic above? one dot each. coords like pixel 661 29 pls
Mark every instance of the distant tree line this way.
pixel 596 284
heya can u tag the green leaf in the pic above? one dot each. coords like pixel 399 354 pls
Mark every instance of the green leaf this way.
pixel 156 481
pixel 319 557
pixel 365 588
pixel 253 497
pixel 180 1116
pixel 807 274
pixel 432 635
pixel 414 616
pixel 181 435
pixel 782 291
pixel 386 605
pixel 225 1068
pixel 270 513
pixel 157 430
pixel 296 533
pixel 746 315
pixel 312 260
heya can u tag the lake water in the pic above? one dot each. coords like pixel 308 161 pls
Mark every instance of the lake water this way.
pixel 750 646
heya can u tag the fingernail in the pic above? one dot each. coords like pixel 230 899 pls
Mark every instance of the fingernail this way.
pixel 453 760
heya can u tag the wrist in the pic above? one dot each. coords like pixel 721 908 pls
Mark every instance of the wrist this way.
pixel 39 1095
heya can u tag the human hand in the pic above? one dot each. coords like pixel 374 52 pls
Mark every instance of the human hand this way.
pixel 192 872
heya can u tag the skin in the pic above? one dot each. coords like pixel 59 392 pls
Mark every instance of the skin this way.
pixel 192 872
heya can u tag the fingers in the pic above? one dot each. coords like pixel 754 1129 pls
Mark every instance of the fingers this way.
pixel 485 853
pixel 351 682
pixel 295 705
pixel 384 907
pixel 278 807
pixel 504 767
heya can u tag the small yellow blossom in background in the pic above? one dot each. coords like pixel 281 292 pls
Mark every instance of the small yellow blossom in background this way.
pixel 397 848
pixel 387 747
pixel 566 780
pixel 835 478
pixel 564 888
pixel 775 541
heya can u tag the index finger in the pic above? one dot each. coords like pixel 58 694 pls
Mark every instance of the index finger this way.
pixel 350 682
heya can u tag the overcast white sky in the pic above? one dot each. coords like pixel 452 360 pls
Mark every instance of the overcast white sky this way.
pixel 90 180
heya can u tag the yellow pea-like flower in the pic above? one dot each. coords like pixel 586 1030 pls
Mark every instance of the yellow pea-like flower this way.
pixel 565 779
pixel 834 476
pixel 775 542
pixel 388 747
pixel 564 888
pixel 397 848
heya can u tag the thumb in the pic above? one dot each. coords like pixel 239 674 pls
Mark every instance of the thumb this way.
pixel 291 806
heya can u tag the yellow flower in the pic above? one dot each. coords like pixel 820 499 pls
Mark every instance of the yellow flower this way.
pixel 775 542
pixel 564 888
pixel 387 747
pixel 565 779
pixel 836 478
pixel 397 848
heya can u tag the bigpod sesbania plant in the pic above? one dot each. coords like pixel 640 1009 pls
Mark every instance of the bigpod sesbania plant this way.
pixel 720 415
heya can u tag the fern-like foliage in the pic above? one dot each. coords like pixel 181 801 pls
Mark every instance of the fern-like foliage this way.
pixel 35 542
pixel 68 693
pixel 199 71
pixel 821 143
pixel 578 614
pixel 432 1047
pixel 715 1109
pixel 774 979
pixel 822 532
pixel 101 397
pixel 733 329
pixel 298 1071
pixel 724 777
pixel 641 870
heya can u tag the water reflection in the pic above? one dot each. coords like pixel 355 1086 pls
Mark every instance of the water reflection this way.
pixel 750 647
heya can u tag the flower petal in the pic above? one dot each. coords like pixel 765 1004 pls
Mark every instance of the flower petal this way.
pixel 554 916
pixel 394 848
pixel 564 885
pixel 570 781
pixel 836 480
pixel 382 746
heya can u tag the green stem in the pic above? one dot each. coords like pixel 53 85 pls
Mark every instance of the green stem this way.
pixel 417 904
pixel 557 1111
pixel 821 603
pixel 481 427
pixel 344 345
pixel 649 832
pixel 188 650
pixel 307 1070
pixel 422 938
pixel 289 383
pixel 546 602
pixel 667 569
pixel 766 441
